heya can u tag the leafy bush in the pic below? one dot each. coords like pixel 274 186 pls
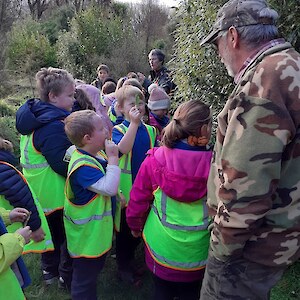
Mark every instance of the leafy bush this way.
pixel 8 131
pixel 28 49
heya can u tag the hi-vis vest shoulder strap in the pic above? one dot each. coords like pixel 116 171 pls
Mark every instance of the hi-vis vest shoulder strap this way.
pixel 125 160
pixel 176 233
pixel 32 246
pixel 40 176
pixel 89 227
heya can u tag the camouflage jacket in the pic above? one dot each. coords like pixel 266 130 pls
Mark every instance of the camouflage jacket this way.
pixel 254 183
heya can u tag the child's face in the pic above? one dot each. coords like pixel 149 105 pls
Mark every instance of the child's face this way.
pixel 65 99
pixel 99 135
pixel 133 102
pixel 160 112
pixel 102 75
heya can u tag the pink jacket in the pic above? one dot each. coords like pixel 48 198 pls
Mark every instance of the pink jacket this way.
pixel 182 175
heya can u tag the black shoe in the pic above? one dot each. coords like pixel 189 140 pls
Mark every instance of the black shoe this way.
pixel 49 278
pixel 63 285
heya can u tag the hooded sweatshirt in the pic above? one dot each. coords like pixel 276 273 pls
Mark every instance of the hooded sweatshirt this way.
pixel 46 121
pixel 181 173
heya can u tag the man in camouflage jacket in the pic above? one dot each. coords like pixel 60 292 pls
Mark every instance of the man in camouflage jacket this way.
pixel 254 183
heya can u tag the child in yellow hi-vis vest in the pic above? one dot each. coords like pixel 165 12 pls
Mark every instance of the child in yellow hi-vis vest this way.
pixel 134 139
pixel 88 209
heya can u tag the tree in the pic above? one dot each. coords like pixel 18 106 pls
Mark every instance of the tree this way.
pixel 198 71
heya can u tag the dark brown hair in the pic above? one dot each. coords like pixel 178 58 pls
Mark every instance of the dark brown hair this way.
pixel 188 120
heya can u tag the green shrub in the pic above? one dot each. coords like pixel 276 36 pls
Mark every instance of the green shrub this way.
pixel 28 49
pixel 8 131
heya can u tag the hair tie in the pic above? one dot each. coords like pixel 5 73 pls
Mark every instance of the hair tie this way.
pixel 197 141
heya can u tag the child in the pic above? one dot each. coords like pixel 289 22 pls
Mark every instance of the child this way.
pixel 134 139
pixel 13 273
pixel 15 192
pixel 102 74
pixel 88 211
pixel 159 104
pixel 94 95
pixel 168 204
pixel 82 101
pixel 43 145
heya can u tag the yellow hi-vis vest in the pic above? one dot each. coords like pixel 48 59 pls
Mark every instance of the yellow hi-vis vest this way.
pixel 125 161
pixel 10 287
pixel 89 227
pixel 176 233
pixel 46 184
pixel 32 246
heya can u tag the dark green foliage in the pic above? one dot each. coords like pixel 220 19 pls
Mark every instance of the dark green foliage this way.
pixel 198 71
pixel 28 49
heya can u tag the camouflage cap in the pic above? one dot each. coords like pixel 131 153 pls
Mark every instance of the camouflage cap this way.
pixel 238 13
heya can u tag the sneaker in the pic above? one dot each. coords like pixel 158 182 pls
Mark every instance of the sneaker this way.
pixel 49 278
pixel 63 285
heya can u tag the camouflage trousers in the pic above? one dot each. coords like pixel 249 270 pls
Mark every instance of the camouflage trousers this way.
pixel 238 279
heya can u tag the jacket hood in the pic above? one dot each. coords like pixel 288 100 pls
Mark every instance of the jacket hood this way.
pixel 8 157
pixel 181 174
pixel 35 113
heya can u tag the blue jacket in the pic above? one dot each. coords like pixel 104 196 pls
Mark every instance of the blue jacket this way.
pixel 15 190
pixel 46 121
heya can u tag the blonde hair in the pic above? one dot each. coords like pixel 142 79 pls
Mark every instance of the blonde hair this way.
pixel 6 145
pixel 126 92
pixel 78 124
pixel 52 80
pixel 187 121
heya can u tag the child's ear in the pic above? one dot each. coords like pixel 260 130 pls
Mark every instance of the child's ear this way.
pixel 205 130
pixel 86 139
pixel 52 97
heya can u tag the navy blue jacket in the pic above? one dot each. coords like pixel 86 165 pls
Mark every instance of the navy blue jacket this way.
pixel 46 121
pixel 15 190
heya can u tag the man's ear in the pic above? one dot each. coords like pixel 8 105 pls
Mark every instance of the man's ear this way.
pixel 233 37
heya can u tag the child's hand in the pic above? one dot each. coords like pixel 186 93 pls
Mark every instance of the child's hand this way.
pixel 18 214
pixel 38 235
pixel 25 233
pixel 135 115
pixel 112 152
pixel 136 234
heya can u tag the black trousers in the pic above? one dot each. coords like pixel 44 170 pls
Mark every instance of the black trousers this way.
pixel 58 262
pixel 85 273
pixel 168 290
pixel 126 244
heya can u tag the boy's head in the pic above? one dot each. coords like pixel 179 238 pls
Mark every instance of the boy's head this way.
pixel 56 86
pixel 159 101
pixel 86 127
pixel 102 72
pixel 6 145
pixel 129 96
pixel 108 87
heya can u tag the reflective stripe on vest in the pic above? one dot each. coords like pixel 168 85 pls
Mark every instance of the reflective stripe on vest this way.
pixel 125 160
pixel 27 165
pixel 83 223
pixel 180 227
pixel 176 233
pixel 40 176
pixel 32 246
